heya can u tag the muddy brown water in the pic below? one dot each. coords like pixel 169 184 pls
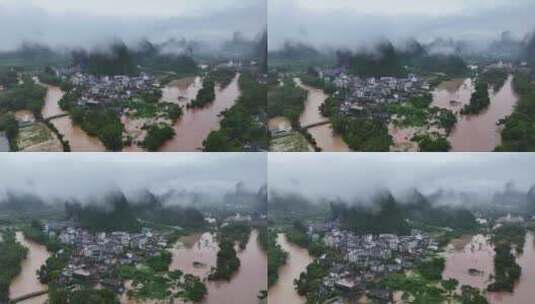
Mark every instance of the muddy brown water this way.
pixel 78 139
pixel 244 286
pixel 478 253
pixel 27 281
pixel 196 124
pixel 323 134
pixel 475 133
pixel 283 291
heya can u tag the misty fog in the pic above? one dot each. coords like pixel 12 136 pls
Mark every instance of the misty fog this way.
pixel 358 23
pixel 177 178
pixel 86 24
pixel 450 178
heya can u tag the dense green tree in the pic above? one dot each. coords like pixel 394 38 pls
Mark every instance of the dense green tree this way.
pixel 479 101
pixel 242 127
pixel 506 270
pixel 287 100
pixel 206 94
pixel 102 123
pixel 432 143
pixel 227 262
pixel 156 136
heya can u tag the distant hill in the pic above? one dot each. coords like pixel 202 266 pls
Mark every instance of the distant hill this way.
pixel 32 55
pixel 385 214
pixel 386 60
pixel 117 213
pixel 173 56
pixel 117 59
pixel 297 54
pixel 27 205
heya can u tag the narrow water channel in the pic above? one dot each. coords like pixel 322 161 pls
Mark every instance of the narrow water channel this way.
pixel 198 253
pixel 477 253
pixel 323 134
pixel 78 139
pixel 196 124
pixel 475 133
pixel 27 281
pixel 283 292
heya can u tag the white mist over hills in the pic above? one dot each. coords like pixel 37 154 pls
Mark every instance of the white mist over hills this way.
pixel 70 24
pixel 450 178
pixel 358 23
pixel 177 177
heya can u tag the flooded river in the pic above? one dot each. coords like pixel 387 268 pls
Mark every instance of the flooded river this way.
pixel 191 130
pixel 323 134
pixel 27 281
pixel 477 253
pixel 78 139
pixel 244 286
pixel 283 291
pixel 196 124
pixel 477 133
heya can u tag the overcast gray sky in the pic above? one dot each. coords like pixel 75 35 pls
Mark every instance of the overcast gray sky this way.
pixel 84 22
pixel 360 175
pixel 82 175
pixel 352 23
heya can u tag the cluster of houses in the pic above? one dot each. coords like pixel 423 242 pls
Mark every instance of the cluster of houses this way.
pixel 368 258
pixel 95 255
pixel 360 92
pixel 105 89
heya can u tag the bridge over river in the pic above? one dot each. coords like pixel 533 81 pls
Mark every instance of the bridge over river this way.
pixel 56 116
pixel 27 296
pixel 316 124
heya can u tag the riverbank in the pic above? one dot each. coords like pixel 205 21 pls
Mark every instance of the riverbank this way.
pixel 297 261
pixel 480 132
pixel 197 254
pixel 473 265
pixel 324 136
pixel 78 139
pixel 196 124
pixel 27 281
